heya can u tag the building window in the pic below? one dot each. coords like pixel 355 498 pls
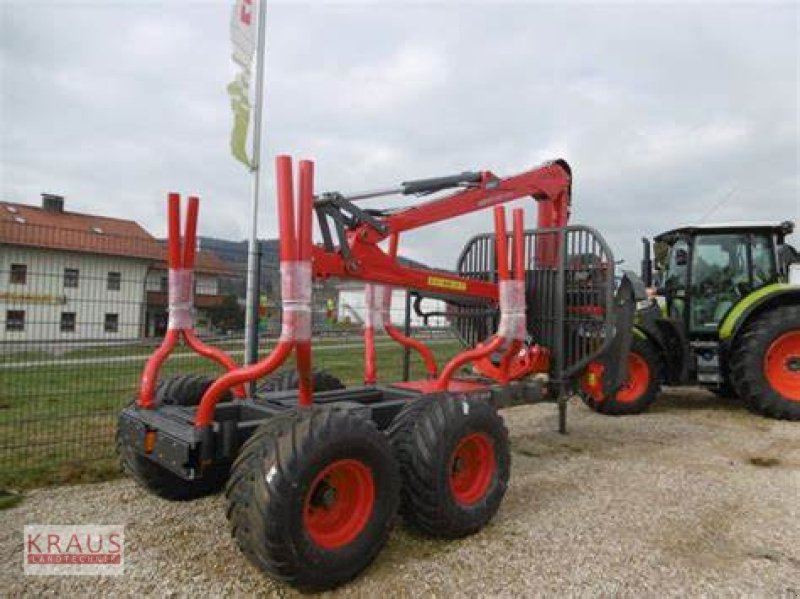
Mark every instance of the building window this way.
pixel 111 323
pixel 163 286
pixel 71 277
pixel 15 320
pixel 19 274
pixel 68 322
pixel 206 286
pixel 114 280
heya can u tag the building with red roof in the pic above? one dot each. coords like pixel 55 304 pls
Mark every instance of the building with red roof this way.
pixel 71 276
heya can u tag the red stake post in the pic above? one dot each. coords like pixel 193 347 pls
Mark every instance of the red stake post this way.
pixel 507 333
pixel 295 257
pixel 519 274
pixel 180 262
pixel 378 306
pixel 304 243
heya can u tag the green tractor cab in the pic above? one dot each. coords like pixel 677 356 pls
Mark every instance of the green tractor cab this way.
pixel 724 313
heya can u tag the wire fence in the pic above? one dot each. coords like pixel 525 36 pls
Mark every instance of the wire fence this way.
pixel 82 308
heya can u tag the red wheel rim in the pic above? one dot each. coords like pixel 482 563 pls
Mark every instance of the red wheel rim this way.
pixel 339 503
pixel 782 365
pixel 592 381
pixel 472 468
pixel 638 379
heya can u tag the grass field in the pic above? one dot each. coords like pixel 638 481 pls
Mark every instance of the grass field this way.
pixel 58 417
pixel 57 352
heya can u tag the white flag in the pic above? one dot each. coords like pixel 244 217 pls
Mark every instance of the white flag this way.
pixel 244 19
pixel 243 32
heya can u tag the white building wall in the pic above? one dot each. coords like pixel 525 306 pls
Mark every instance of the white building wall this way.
pixel 43 297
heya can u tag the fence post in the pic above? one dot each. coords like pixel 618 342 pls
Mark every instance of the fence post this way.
pixel 559 341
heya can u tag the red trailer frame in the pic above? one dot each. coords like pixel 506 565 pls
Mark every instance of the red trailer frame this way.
pixel 439 438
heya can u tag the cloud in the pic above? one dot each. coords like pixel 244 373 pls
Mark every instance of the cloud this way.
pixel 662 110
pixel 667 146
pixel 407 76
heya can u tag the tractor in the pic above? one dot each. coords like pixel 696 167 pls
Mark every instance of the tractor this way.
pixel 723 313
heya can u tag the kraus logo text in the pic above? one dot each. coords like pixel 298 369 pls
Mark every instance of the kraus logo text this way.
pixel 74 549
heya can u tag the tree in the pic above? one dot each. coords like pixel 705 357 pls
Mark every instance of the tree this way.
pixel 229 315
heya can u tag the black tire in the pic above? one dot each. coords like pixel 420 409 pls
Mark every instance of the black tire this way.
pixel 275 480
pixel 425 436
pixel 749 364
pixel 622 403
pixel 288 380
pixel 725 391
pixel 184 390
pixel 180 390
pixel 165 484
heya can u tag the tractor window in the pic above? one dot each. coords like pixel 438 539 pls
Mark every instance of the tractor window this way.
pixel 786 256
pixel 764 271
pixel 675 279
pixel 720 276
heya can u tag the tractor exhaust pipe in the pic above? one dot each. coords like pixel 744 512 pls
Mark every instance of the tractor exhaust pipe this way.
pixel 647 263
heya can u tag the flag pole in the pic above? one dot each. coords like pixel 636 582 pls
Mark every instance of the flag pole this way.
pixel 253 275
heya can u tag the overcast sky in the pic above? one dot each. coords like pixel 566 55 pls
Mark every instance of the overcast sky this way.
pixel 668 113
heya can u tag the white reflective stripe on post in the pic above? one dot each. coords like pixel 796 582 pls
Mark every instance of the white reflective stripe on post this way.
pixel 512 310
pixel 296 301
pixel 378 300
pixel 181 295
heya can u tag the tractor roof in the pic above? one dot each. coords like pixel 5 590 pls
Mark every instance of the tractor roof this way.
pixel 781 228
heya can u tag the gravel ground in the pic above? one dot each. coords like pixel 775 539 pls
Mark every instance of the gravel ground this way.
pixel 697 497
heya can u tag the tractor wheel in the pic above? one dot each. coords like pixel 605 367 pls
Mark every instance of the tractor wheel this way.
pixel 184 390
pixel 454 460
pixel 288 380
pixel 765 363
pixel 637 392
pixel 161 482
pixel 313 495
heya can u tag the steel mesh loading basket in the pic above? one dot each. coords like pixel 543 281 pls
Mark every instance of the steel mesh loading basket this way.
pixel 575 290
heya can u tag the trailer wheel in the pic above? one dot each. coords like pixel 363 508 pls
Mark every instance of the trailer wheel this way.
pixel 288 380
pixel 313 495
pixel 161 482
pixel 454 460
pixel 184 390
pixel 637 392
pixel 765 363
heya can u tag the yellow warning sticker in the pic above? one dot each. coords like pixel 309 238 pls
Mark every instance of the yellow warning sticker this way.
pixel 447 283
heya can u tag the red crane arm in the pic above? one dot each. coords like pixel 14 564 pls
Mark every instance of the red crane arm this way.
pixel 549 184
